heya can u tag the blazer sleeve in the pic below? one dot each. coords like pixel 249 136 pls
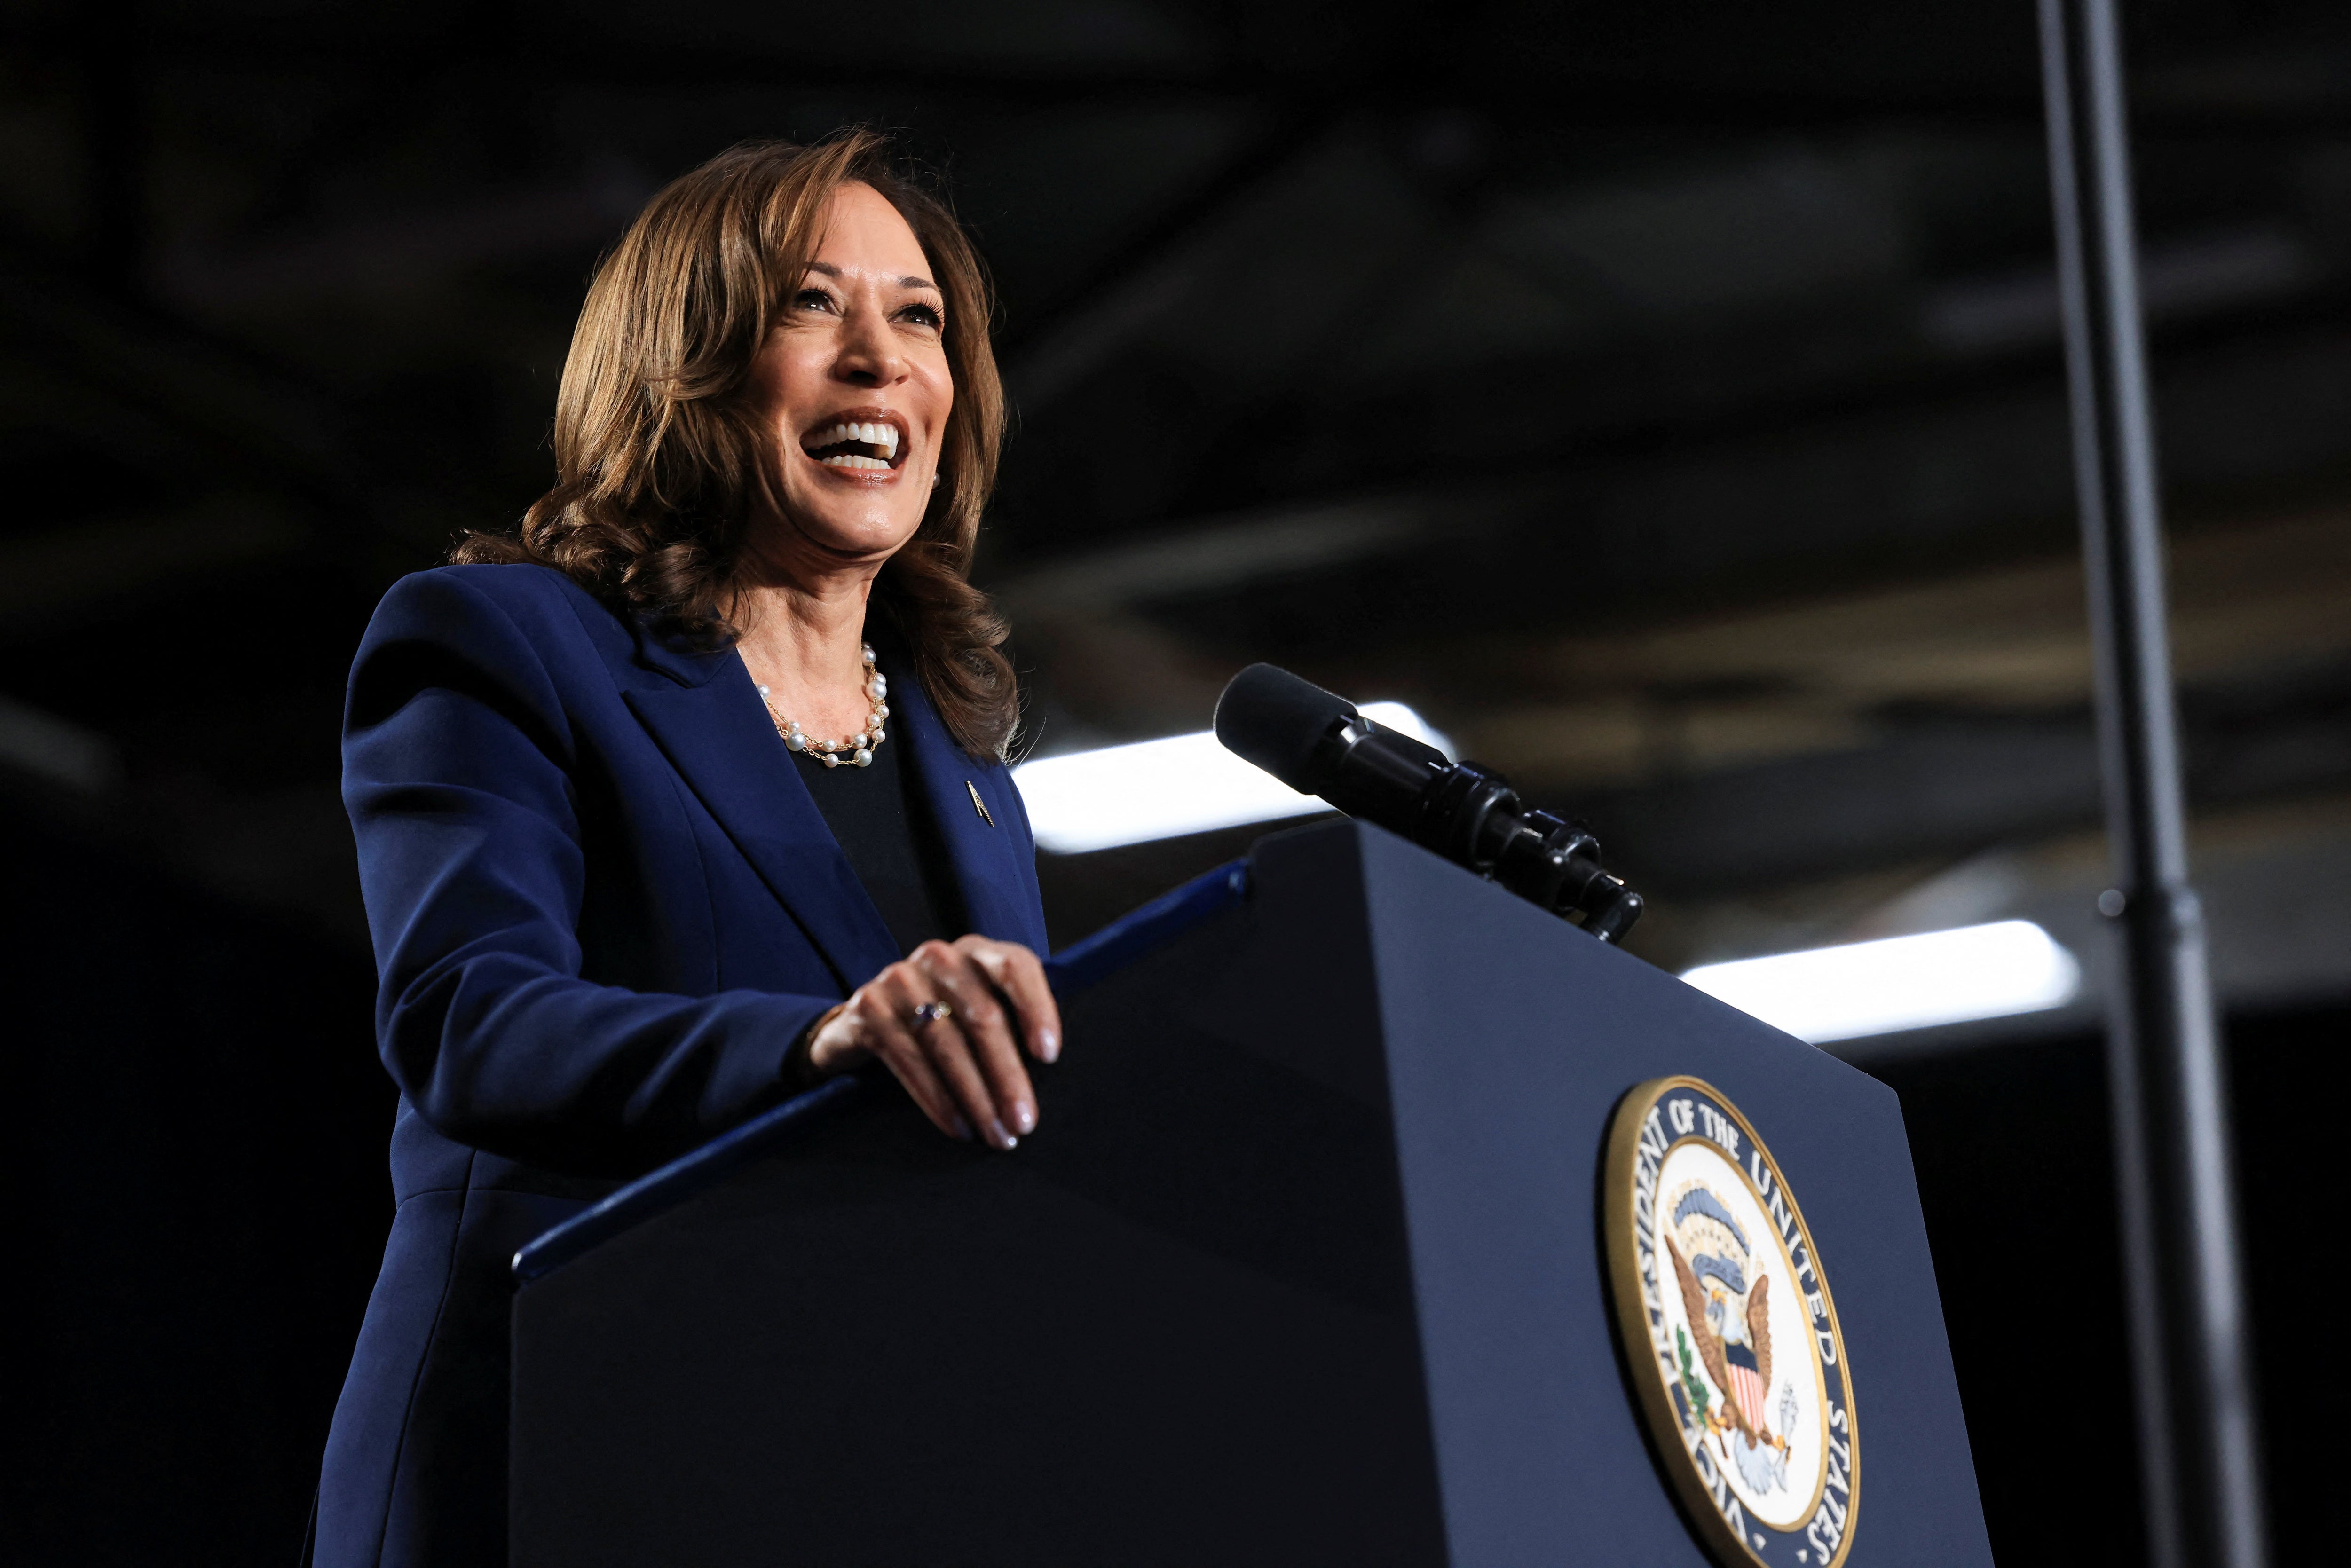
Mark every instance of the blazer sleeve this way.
pixel 459 773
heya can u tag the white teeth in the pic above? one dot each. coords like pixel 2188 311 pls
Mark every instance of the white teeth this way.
pixel 845 461
pixel 884 436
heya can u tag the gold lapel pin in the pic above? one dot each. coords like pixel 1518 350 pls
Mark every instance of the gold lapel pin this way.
pixel 977 804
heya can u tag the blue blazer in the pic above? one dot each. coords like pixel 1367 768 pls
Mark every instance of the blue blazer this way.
pixel 603 907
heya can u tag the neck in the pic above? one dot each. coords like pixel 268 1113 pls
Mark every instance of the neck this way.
pixel 801 615
pixel 816 629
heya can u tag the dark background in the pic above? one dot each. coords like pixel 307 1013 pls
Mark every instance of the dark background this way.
pixel 1666 401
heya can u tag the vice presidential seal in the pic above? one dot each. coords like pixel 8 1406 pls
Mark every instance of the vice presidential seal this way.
pixel 1730 1331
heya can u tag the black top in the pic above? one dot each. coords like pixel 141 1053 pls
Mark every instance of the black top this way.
pixel 885 829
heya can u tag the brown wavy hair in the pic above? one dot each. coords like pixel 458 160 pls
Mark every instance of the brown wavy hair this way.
pixel 658 456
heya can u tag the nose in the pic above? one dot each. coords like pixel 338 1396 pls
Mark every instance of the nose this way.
pixel 868 353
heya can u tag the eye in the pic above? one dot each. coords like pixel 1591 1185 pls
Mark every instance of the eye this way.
pixel 812 300
pixel 923 316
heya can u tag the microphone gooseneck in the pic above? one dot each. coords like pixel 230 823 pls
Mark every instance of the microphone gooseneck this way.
pixel 1318 745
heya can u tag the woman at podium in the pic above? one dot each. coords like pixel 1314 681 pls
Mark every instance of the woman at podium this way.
pixel 692 791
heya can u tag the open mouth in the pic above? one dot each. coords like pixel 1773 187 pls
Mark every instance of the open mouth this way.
pixel 857 445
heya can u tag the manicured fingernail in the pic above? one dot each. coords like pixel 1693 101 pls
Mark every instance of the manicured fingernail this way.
pixel 1004 1140
pixel 1049 1044
pixel 962 1128
pixel 1024 1115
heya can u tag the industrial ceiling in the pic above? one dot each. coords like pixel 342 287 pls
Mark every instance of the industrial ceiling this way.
pixel 1666 401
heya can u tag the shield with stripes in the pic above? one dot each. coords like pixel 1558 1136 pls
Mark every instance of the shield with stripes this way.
pixel 1746 1383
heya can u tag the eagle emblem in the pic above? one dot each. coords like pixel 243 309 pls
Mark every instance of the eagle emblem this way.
pixel 1728 1306
pixel 1730 1336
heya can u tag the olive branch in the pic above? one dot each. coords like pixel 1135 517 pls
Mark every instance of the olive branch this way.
pixel 1690 1379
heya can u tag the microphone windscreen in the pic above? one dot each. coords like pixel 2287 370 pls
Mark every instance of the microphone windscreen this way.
pixel 1273 718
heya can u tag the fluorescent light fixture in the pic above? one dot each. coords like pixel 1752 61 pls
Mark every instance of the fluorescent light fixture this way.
pixel 1163 788
pixel 1902 982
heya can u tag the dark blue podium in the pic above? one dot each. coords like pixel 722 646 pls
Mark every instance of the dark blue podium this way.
pixel 1303 1266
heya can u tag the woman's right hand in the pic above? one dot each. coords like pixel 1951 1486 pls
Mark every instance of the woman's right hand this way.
pixel 950 1021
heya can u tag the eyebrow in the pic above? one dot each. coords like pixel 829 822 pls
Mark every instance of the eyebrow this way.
pixel 909 281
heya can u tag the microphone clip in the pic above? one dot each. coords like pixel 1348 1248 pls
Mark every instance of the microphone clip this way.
pixel 1470 814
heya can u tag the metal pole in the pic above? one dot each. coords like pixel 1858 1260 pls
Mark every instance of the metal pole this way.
pixel 2198 1465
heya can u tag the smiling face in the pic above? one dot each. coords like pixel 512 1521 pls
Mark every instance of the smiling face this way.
pixel 854 384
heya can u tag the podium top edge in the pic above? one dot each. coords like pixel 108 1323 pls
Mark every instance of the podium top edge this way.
pixel 671 1184
pixel 1081 965
pixel 1091 959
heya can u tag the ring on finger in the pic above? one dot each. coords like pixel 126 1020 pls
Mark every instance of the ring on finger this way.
pixel 932 1012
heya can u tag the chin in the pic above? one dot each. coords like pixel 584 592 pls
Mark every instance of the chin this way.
pixel 865 535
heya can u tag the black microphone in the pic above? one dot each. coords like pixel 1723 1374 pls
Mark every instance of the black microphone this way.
pixel 1318 745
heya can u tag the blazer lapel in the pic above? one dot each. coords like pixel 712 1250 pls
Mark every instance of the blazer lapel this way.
pixel 986 869
pixel 717 734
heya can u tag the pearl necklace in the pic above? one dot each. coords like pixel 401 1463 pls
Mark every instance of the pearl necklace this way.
pixel 861 745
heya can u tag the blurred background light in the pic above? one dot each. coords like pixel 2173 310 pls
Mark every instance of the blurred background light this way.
pixel 1165 789
pixel 1901 982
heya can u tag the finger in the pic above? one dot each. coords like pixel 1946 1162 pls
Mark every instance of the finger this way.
pixel 906 1061
pixel 950 1056
pixel 945 1046
pixel 888 1037
pixel 986 1028
pixel 1015 971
